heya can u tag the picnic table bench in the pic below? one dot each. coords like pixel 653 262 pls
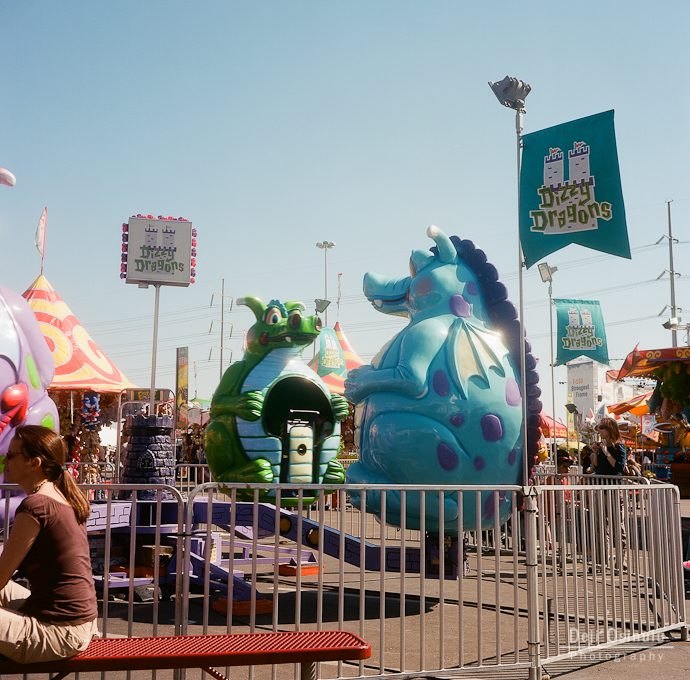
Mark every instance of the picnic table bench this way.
pixel 206 652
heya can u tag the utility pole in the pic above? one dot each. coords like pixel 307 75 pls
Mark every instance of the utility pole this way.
pixel 222 326
pixel 672 274
pixel 325 246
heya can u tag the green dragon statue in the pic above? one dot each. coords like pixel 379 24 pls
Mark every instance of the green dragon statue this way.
pixel 272 418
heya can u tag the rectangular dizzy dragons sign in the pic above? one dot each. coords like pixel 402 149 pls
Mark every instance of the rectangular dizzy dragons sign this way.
pixel 159 251
pixel 580 331
pixel 570 189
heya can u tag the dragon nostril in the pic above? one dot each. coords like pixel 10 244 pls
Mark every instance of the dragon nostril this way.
pixel 295 320
pixel 318 324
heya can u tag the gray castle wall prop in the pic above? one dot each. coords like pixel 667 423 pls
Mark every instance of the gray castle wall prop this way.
pixel 150 453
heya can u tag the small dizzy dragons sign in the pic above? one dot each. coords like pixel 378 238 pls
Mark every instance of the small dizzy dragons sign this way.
pixel 581 331
pixel 570 189
pixel 158 250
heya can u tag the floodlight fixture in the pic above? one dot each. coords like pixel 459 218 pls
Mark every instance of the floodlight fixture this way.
pixel 571 408
pixel 321 305
pixel 546 272
pixel 511 92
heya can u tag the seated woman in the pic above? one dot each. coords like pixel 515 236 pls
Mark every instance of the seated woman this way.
pixel 48 546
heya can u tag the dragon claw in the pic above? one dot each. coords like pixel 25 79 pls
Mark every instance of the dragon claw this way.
pixel 335 473
pixel 257 471
pixel 251 405
pixel 341 407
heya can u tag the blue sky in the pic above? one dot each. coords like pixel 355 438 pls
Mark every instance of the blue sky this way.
pixel 273 125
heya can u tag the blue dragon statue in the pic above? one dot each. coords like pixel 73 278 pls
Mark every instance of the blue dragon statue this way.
pixel 441 402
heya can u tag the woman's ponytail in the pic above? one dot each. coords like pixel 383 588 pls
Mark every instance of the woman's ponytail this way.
pixel 73 495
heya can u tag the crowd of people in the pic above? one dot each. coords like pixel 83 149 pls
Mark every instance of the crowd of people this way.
pixel 608 455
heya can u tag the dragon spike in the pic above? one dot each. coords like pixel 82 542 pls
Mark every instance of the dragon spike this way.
pixel 255 304
pixel 446 249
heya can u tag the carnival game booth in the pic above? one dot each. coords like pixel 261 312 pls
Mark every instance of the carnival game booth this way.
pixel 668 406
pixel 86 386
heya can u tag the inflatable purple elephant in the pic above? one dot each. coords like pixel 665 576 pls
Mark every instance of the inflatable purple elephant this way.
pixel 26 370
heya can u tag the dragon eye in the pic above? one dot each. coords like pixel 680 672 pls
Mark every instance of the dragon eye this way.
pixel 295 319
pixel 272 316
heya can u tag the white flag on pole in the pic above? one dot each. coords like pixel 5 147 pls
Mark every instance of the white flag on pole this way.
pixel 40 238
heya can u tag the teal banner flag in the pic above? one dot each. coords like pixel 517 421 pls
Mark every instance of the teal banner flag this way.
pixel 580 331
pixel 578 202
pixel 331 357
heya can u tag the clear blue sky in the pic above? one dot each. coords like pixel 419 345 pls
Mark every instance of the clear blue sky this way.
pixel 272 125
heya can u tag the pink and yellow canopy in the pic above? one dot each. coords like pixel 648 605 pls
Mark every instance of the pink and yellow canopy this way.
pixel 552 428
pixel 80 364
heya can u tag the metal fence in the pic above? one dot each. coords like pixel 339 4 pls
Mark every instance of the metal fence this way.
pixel 518 578
pixel 190 475
pixel 610 558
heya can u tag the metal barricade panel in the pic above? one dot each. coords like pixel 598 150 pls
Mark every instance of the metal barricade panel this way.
pixel 609 564
pixel 569 569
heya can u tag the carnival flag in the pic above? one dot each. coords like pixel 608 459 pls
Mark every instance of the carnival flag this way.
pixel 580 331
pixel 40 238
pixel 182 388
pixel 582 204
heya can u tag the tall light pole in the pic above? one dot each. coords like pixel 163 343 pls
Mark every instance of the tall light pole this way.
pixel 546 272
pixel 671 273
pixel 511 93
pixel 325 246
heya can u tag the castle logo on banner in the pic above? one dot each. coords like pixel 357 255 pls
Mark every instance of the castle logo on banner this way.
pixel 580 201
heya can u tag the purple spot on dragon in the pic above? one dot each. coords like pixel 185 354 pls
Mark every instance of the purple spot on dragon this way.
pixel 492 429
pixel 471 288
pixel 456 419
pixel 447 457
pixel 512 457
pixel 512 392
pixel 459 306
pixel 441 384
pixel 479 463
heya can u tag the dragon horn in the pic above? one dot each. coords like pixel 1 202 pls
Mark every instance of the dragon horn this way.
pixel 446 249
pixel 255 304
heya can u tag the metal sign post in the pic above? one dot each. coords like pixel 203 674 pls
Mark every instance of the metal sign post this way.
pixel 156 305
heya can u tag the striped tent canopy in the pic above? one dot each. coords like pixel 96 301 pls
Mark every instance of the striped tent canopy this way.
pixel 552 428
pixel 335 357
pixel 80 364
pixel 635 405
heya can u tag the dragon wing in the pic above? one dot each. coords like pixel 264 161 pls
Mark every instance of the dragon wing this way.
pixel 472 351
